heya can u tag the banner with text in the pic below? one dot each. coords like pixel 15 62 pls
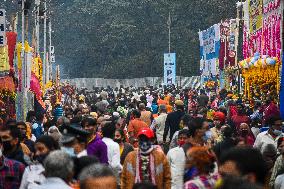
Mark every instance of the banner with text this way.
pixel 255 15
pixel 169 68
pixel 209 50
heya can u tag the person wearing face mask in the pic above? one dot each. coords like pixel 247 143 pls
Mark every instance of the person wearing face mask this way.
pixel 11 171
pixel 12 147
pixel 271 135
pixel 176 158
pixel 278 167
pixel 125 148
pixel 24 138
pixel 147 164
pixel 34 174
pixel 246 134
pixel 73 140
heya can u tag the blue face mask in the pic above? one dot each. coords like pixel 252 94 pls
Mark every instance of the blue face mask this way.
pixel 69 151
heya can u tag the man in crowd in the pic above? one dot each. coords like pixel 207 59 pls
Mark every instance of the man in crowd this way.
pixel 269 109
pixel 271 135
pixel 146 165
pixel 74 140
pixel 11 144
pixel 136 124
pixel 219 121
pixel 58 171
pixel 252 168
pixel 24 138
pixel 37 127
pixel 11 171
pixel 176 158
pixel 146 116
pixel 240 118
pixel 95 147
pixel 97 176
pixel 159 123
pixel 113 150
pixel 173 120
pixel 202 99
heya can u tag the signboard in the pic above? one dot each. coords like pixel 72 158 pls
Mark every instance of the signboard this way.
pixel 52 55
pixel 255 15
pixel 2 28
pixel 169 68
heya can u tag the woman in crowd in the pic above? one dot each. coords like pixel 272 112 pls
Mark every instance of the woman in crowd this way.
pixel 125 147
pixel 246 134
pixel 34 174
pixel 204 161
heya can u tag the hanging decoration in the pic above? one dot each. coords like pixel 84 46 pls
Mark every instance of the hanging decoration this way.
pixel 261 76
pixel 11 42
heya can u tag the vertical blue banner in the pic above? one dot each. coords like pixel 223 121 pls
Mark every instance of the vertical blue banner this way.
pixel 169 68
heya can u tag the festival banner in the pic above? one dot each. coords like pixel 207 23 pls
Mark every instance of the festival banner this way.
pixel 228 29
pixel 169 68
pixel 255 15
pixel 2 28
pixel 209 50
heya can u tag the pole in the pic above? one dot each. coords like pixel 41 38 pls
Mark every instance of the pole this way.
pixel 236 48
pixel 23 92
pixel 50 63
pixel 169 27
pixel 44 66
pixel 37 27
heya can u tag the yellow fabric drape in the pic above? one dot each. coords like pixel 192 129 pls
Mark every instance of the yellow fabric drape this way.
pixel 4 59
pixel 19 51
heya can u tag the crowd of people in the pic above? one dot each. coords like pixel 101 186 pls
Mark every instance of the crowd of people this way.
pixel 146 138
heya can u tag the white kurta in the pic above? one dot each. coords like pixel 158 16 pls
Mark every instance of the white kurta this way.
pixel 176 158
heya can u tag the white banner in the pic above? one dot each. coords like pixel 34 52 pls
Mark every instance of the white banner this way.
pixel 169 68
pixel 2 28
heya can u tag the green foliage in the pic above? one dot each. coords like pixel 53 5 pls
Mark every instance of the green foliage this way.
pixel 127 38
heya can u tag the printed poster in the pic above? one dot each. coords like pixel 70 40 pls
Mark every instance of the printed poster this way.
pixel 255 15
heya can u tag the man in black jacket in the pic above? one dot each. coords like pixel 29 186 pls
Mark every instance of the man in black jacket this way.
pixel 173 120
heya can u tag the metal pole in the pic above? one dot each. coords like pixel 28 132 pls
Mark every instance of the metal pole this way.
pixel 169 25
pixel 44 47
pixel 50 63
pixel 23 92
pixel 37 27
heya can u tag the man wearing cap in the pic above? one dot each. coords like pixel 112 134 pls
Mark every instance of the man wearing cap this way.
pixel 74 140
pixel 147 164
pixel 173 120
